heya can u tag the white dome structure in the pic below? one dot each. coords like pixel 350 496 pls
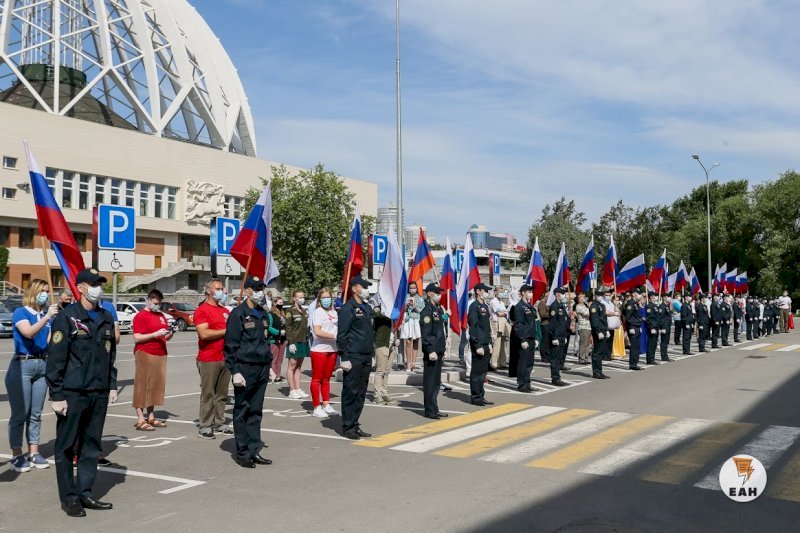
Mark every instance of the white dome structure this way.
pixel 148 65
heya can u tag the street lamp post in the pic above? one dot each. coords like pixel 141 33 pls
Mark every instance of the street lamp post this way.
pixel 708 211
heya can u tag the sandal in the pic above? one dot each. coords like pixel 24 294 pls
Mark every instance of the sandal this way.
pixel 157 423
pixel 143 425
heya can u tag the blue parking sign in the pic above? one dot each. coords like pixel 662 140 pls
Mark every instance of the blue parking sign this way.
pixel 116 227
pixel 227 230
pixel 459 259
pixel 496 263
pixel 380 247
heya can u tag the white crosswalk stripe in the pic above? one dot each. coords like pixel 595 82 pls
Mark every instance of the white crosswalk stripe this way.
pixel 789 348
pixel 756 346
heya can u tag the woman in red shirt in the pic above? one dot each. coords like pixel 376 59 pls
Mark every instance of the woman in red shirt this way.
pixel 150 335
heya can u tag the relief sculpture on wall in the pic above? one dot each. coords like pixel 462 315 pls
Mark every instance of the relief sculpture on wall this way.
pixel 204 201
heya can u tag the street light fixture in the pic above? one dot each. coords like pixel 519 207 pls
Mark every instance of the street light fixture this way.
pixel 708 211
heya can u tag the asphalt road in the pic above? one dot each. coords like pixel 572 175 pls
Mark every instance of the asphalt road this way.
pixel 638 452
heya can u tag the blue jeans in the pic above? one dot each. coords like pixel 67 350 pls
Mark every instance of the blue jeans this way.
pixel 27 390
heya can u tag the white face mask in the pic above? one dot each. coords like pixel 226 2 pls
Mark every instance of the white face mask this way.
pixel 41 298
pixel 364 294
pixel 301 301
pixel 219 296
pixel 93 294
pixel 154 307
pixel 257 297
pixel 437 298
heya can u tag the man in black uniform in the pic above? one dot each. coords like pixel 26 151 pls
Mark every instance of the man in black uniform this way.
pixel 525 330
pixel 83 381
pixel 433 331
pixel 687 322
pixel 601 336
pixel 633 318
pixel 355 340
pixel 737 318
pixel 716 321
pixel 751 316
pixel 559 334
pixel 665 325
pixel 480 344
pixel 652 323
pixel 514 342
pixel 248 357
pixel 727 318
pixel 701 315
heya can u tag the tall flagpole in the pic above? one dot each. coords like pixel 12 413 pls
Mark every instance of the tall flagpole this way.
pixel 400 226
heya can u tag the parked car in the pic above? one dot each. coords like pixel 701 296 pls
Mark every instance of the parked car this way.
pixel 6 325
pixel 125 319
pixel 130 309
pixel 181 312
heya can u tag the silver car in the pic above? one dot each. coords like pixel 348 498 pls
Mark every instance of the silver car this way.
pixel 6 325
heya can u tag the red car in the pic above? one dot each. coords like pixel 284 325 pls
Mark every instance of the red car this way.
pixel 181 312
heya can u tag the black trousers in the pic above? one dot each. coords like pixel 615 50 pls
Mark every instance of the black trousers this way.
pixel 756 328
pixel 737 324
pixel 79 433
pixel 248 403
pixel 678 330
pixel 715 334
pixel 726 332
pixel 664 344
pixel 601 349
pixel 749 330
pixel 545 347
pixel 354 392
pixel 558 356
pixel 652 344
pixel 524 364
pixel 480 366
pixel 431 381
pixel 687 340
pixel 702 336
pixel 514 354
pixel 636 341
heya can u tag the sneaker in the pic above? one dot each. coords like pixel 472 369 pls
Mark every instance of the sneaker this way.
pixel 225 430
pixel 302 393
pixel 103 461
pixel 206 433
pixel 295 395
pixel 21 464
pixel 37 461
pixel 388 401
pixel 319 412
pixel 329 410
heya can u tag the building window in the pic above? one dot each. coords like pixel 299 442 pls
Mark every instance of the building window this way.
pixel 9 193
pixel 9 162
pixel 5 232
pixel 130 189
pixel 99 190
pixel 57 277
pixel 144 198
pixel 237 207
pixel 80 240
pixel 66 189
pixel 26 281
pixel 26 238
pixel 50 174
pixel 115 191
pixel 159 201
pixel 83 192
pixel 172 202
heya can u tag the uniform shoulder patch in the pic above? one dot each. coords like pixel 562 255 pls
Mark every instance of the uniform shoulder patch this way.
pixel 594 309
pixel 427 320
pixel 552 313
pixel 649 310
pixel 58 337
pixel 288 313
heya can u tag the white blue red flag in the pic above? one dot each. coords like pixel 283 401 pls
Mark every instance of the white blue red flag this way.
pixel 584 283
pixel 536 277
pixel 393 287
pixel 742 284
pixel 448 286
pixel 561 276
pixel 632 275
pixel 252 247
pixel 730 280
pixel 657 273
pixel 467 279
pixel 695 283
pixel 680 279
pixel 354 263
pixel 611 265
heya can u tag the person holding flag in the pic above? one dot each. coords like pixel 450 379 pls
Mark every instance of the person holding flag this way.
pixel 611 267
pixel 480 341
pixel 559 335
pixel 587 269
pixel 354 263
pixel 434 330
pixel 601 335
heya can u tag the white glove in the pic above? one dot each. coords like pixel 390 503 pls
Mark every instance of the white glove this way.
pixel 536 344
pixel 347 366
pixel 112 396
pixel 238 380
pixel 292 349
pixel 60 408
pixel 52 311
pixel 632 331
pixel 480 351
pixel 555 342
pixel 283 333
pixel 601 335
pixel 652 332
pixel 433 357
pixel 699 327
pixel 688 327
pixel 397 342
pixel 662 331
pixel 525 345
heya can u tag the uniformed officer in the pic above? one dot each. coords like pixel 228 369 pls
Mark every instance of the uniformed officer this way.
pixel 433 332
pixel 716 321
pixel 544 318
pixel 480 344
pixel 525 330
pixel 355 339
pixel 601 336
pixel 727 318
pixel 248 357
pixel 652 319
pixel 665 326
pixel 701 315
pixel 559 322
pixel 83 381
pixel 751 317
pixel 633 317
pixel 737 318
pixel 687 321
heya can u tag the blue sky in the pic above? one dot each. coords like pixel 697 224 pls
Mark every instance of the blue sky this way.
pixel 509 104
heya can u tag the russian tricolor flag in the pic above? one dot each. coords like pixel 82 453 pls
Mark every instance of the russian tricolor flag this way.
pixel 695 283
pixel 721 277
pixel 53 226
pixel 536 276
pixel 730 279
pixel 632 275
pixel 584 283
pixel 657 273
pixel 611 266
pixel 252 247
pixel 742 282
pixel 393 287
pixel 448 285
pixel 354 263
pixel 680 279
pixel 467 279
pixel 561 276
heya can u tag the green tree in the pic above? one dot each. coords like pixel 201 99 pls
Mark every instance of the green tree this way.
pixel 3 262
pixel 312 214
pixel 561 222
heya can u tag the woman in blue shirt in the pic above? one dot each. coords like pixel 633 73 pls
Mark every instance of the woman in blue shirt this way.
pixel 25 381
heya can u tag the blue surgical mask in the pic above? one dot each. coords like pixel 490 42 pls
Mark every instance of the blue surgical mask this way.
pixel 219 296
pixel 41 298
pixel 326 302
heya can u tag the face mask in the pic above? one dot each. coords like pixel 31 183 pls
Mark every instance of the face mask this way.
pixel 437 298
pixel 502 295
pixel 301 301
pixel 364 294
pixel 326 302
pixel 93 294
pixel 563 299
pixel 257 297
pixel 154 307
pixel 223 299
pixel 219 296
pixel 412 291
pixel 41 298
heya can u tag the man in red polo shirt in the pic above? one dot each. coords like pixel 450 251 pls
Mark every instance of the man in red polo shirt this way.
pixel 215 378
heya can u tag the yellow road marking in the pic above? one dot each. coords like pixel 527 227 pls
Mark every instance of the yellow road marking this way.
pixel 772 348
pixel 390 439
pixel 696 453
pixel 787 486
pixel 581 450
pixel 510 435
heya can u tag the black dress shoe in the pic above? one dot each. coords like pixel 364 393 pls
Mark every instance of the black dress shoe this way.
pixel 487 402
pixel 351 434
pixel 604 376
pixel 442 415
pixel 477 402
pixel 257 459
pixel 667 360
pixel 651 362
pixel 598 376
pixel 432 416
pixel 687 353
pixel 635 368
pixel 363 434
pixel 564 368
pixel 559 383
pixel 73 508
pixel 97 505
pixel 245 463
